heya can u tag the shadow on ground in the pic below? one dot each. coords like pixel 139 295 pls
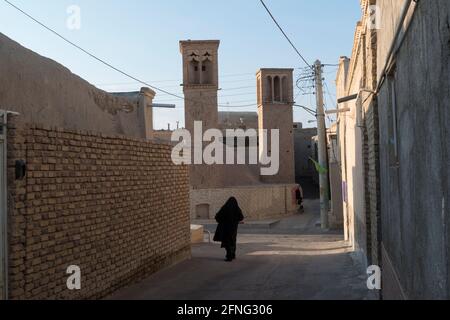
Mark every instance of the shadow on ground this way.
pixel 291 259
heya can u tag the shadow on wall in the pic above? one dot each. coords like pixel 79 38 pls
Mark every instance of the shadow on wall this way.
pixel 310 189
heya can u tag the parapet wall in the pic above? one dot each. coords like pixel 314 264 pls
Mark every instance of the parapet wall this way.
pixel 256 202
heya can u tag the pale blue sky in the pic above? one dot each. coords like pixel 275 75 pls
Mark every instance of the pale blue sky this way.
pixel 141 37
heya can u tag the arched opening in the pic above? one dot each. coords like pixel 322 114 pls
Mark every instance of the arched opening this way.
pixel 258 91
pixel 277 89
pixel 207 72
pixel 194 72
pixel 269 89
pixel 285 90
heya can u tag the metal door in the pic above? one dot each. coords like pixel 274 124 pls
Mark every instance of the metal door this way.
pixel 3 208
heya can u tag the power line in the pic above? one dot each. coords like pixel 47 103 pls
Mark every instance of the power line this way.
pixel 331 99
pixel 90 54
pixel 310 111
pixel 97 58
pixel 285 35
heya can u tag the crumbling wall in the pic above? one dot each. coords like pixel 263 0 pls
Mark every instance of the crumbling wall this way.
pixel 45 92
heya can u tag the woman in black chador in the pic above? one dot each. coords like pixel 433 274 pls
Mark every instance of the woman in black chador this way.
pixel 228 218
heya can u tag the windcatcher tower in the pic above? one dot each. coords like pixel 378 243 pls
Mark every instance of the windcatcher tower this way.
pixel 275 94
pixel 200 85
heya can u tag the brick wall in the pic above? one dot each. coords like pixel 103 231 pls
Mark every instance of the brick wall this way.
pixel 373 180
pixel 256 202
pixel 371 153
pixel 116 207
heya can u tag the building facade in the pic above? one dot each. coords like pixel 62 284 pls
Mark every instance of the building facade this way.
pixel 358 140
pixel 394 145
pixel 211 185
pixel 336 216
pixel 414 116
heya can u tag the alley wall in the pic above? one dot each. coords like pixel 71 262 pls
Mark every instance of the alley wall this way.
pixel 414 146
pixel 116 207
pixel 257 202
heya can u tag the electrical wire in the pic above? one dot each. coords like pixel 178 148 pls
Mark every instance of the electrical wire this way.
pixel 91 54
pixel 285 35
pixel 310 111
pixel 331 99
pixel 109 65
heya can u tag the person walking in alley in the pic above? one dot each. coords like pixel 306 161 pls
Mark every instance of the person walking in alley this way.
pixel 228 219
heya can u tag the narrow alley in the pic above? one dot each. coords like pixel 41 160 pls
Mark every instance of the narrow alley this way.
pixel 287 260
pixel 152 150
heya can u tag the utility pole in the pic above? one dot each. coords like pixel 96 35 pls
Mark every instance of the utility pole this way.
pixel 323 159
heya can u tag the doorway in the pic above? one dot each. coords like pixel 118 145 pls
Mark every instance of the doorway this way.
pixel 202 212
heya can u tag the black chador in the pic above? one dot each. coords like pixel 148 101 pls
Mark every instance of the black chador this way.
pixel 228 219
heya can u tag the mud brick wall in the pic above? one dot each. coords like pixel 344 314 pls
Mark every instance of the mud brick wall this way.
pixel 116 207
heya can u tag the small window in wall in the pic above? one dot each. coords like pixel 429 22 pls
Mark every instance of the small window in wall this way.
pixel 392 121
pixel 202 211
pixel 277 89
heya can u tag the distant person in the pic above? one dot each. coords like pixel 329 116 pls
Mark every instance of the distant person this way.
pixel 299 197
pixel 228 219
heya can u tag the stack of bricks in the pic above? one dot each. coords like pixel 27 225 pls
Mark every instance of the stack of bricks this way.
pixel 116 207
